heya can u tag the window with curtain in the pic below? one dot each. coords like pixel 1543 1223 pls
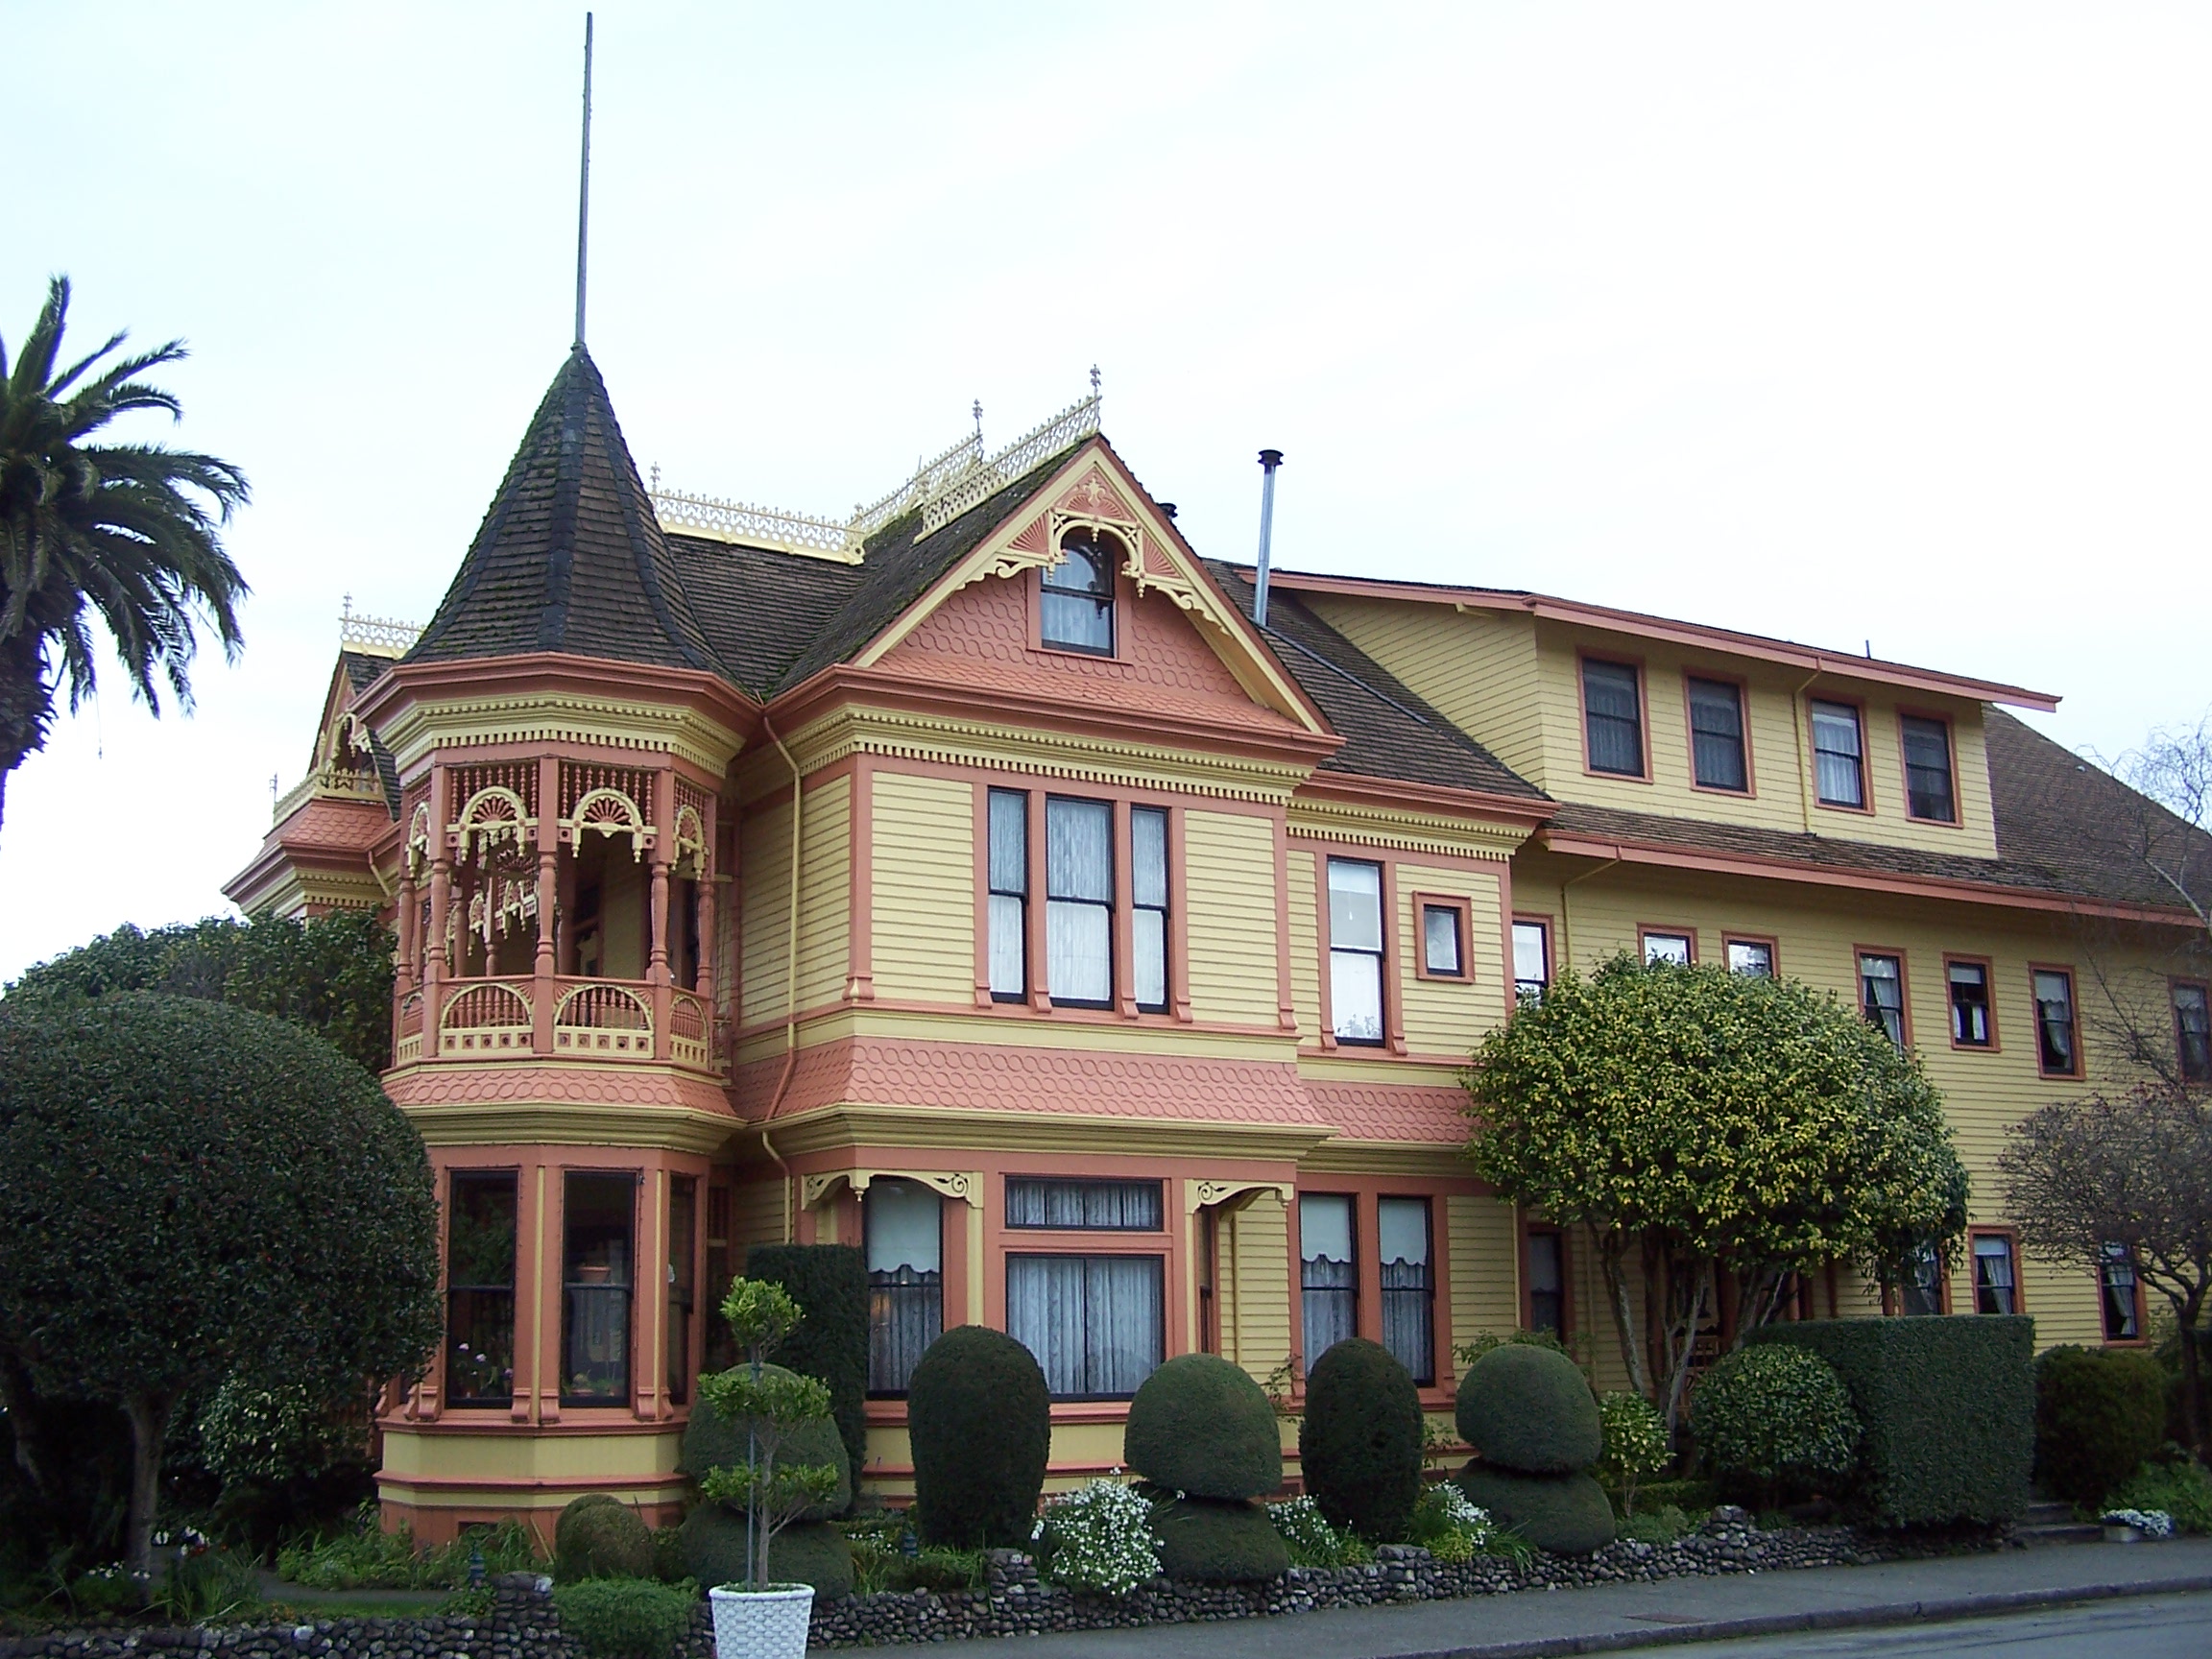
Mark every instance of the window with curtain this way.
pixel 1970 1026
pixel 1546 1283
pixel 1882 994
pixel 1752 956
pixel 2123 1307
pixel 1402 1256
pixel 683 1282
pixel 2058 1044
pixel 1328 1272
pixel 480 1288
pixel 1613 717
pixel 2192 1032
pixel 1669 948
pixel 599 1222
pixel 1717 735
pixel 1355 950
pixel 1996 1288
pixel 1531 958
pixel 1148 905
pixel 1084 1206
pixel 1009 895
pixel 903 1224
pixel 1076 597
pixel 1443 952
pixel 1097 1324
pixel 1928 770
pixel 1839 755
pixel 1079 902
pixel 1920 1279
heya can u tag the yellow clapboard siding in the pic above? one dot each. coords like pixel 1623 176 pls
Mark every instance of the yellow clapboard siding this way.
pixel 1484 1242
pixel 1254 1269
pixel 824 908
pixel 1443 1017
pixel 1233 950
pixel 1305 943
pixel 923 916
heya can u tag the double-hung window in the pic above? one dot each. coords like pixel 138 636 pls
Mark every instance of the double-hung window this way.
pixel 1753 957
pixel 2057 1039
pixel 1996 1286
pixel 1839 755
pixel 1920 1279
pixel 1970 1023
pixel 904 1221
pixel 1148 905
pixel 1881 992
pixel 480 1288
pixel 1717 735
pixel 1097 1322
pixel 1009 894
pixel 1076 597
pixel 1673 949
pixel 1613 717
pixel 1928 791
pixel 683 1282
pixel 2123 1305
pixel 600 1224
pixel 1408 1280
pixel 1328 1272
pixel 2192 1032
pixel 1546 1283
pixel 1079 902
pixel 1444 937
pixel 1531 958
pixel 1355 950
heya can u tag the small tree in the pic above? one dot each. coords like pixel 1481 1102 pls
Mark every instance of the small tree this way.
pixel 1711 1122
pixel 1635 1442
pixel 2128 1169
pixel 773 1404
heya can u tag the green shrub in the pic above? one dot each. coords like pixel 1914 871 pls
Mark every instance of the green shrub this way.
pixel 830 1283
pixel 1566 1514
pixel 1665 1525
pixel 1483 1341
pixel 2180 1485
pixel 668 1554
pixel 2100 1413
pixel 714 1441
pixel 1636 1443
pixel 1312 1540
pixel 936 1569
pixel 1361 1443
pixel 625 1618
pixel 363 1556
pixel 208 1587
pixel 1775 1416
pixel 979 1420
pixel 1451 1528
pixel 1217 1541
pixel 714 1544
pixel 1693 1497
pixel 1946 1410
pixel 1526 1407
pixel 1200 1424
pixel 1097 1537
pixel 597 1537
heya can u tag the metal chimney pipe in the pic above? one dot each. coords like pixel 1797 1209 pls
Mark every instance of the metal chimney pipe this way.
pixel 1269 460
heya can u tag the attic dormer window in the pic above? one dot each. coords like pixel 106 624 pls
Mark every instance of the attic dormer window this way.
pixel 1076 613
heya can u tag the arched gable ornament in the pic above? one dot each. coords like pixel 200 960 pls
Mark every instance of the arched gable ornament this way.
pixel 690 859
pixel 960 1185
pixel 495 817
pixel 611 812
pixel 350 742
pixel 418 841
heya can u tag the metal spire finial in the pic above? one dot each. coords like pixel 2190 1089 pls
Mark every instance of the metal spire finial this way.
pixel 584 184
pixel 1094 379
pixel 978 413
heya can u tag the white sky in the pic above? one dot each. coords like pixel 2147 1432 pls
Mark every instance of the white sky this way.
pixel 1844 323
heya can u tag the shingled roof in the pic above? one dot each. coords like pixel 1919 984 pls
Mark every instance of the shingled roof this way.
pixel 570 557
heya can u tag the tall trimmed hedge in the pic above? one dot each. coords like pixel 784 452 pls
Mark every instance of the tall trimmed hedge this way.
pixel 829 1282
pixel 1947 1408
pixel 979 1419
pixel 1361 1441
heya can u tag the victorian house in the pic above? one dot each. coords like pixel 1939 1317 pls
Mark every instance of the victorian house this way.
pixel 976 881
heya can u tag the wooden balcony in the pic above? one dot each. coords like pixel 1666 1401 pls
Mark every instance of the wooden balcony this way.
pixel 620 1021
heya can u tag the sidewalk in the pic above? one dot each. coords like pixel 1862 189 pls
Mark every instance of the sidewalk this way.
pixel 1530 1625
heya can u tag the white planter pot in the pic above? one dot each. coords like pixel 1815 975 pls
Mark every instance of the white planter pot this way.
pixel 761 1623
pixel 2121 1535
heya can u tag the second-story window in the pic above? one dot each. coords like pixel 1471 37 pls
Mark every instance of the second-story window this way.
pixel 2192 1032
pixel 1613 717
pixel 1531 958
pixel 2123 1303
pixel 1717 735
pixel 1009 895
pixel 1928 792
pixel 1076 609
pixel 1882 994
pixel 1839 755
pixel 2057 1043
pixel 1970 1026
pixel 1148 905
pixel 1079 902
pixel 1355 950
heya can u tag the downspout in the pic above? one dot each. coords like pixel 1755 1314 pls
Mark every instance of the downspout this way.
pixel 790 969
pixel 1797 721
pixel 1566 922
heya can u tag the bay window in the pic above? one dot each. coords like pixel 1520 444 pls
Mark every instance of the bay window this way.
pixel 1328 1273
pixel 902 1222
pixel 480 1288
pixel 1079 902
pixel 1148 907
pixel 599 1222
pixel 1355 950
pixel 1408 1284
pixel 683 1282
pixel 1097 1324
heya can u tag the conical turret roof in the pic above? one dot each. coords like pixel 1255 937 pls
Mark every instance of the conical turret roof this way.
pixel 570 557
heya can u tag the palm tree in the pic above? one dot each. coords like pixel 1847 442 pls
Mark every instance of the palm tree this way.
pixel 128 531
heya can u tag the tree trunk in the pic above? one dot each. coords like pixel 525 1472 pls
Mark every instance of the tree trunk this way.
pixel 34 1453
pixel 149 1416
pixel 1682 1343
pixel 1610 1246
pixel 2192 1375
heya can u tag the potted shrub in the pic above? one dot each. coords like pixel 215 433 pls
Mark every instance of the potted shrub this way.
pixel 755 1619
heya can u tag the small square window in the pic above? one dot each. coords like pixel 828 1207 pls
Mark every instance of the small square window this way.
pixel 1669 948
pixel 1754 958
pixel 1443 938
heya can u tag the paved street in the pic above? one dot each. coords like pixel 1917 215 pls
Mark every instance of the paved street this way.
pixel 2154 1627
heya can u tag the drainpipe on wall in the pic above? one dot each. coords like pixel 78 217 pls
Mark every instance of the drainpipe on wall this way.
pixel 1566 924
pixel 1798 718
pixel 790 969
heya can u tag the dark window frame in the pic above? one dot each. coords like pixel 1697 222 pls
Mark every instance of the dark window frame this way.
pixel 478 1286
pixel 1767 942
pixel 1529 1232
pixel 1111 904
pixel 2200 1071
pixel 1521 986
pixel 1974 1258
pixel 1905 717
pixel 1856 708
pixel 571 1288
pixel 2113 1255
pixel 1126 1184
pixel 2036 973
pixel 1634 666
pixel 1643 934
pixel 1164 909
pixel 1902 1036
pixel 1423 1293
pixel 1990 1002
pixel 1741 694
pixel 1462 912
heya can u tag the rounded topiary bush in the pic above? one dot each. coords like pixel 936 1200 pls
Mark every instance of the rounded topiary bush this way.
pixel 1200 1424
pixel 1528 1408
pixel 1212 1541
pixel 715 1547
pixel 979 1420
pixel 1361 1443
pixel 712 1441
pixel 597 1537
pixel 1774 1415
pixel 1566 1514
pixel 2098 1414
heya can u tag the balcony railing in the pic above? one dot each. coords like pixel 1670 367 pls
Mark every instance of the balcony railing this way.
pixel 626 1021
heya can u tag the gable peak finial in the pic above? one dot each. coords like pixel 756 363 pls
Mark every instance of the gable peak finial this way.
pixel 583 185
pixel 978 412
pixel 1094 379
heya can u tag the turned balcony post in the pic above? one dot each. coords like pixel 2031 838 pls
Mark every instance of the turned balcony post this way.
pixel 548 903
pixel 434 963
pixel 656 965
